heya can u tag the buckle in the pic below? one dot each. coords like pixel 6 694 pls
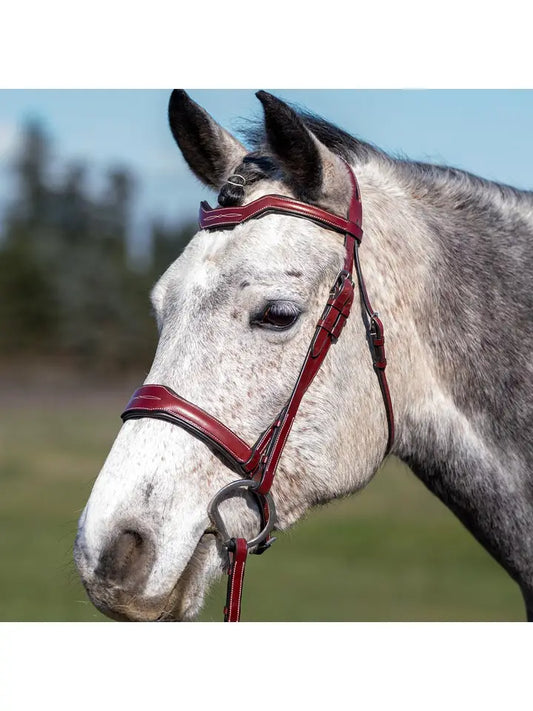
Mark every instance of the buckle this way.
pixel 341 279
pixel 338 306
pixel 376 333
pixel 262 547
pixel 332 321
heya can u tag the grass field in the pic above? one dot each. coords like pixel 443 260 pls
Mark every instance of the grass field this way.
pixel 391 553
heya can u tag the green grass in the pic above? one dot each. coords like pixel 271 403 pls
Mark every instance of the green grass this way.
pixel 391 553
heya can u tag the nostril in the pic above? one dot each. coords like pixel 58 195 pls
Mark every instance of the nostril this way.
pixel 127 559
pixel 128 547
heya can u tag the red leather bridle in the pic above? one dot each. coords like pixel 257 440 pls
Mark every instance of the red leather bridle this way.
pixel 257 464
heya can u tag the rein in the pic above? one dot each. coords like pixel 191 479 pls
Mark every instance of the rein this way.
pixel 257 464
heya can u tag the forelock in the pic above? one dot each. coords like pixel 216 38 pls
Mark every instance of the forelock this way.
pixel 256 166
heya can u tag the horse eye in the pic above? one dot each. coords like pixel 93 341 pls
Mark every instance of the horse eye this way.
pixel 277 316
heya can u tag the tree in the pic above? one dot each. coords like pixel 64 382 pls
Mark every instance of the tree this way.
pixel 67 284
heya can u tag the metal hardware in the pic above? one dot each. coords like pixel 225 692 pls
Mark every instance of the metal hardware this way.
pixel 231 180
pixel 342 276
pixel 225 493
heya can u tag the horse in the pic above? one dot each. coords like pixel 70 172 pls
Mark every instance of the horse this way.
pixel 447 260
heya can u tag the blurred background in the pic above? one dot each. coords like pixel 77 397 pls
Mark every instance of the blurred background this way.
pixel 95 203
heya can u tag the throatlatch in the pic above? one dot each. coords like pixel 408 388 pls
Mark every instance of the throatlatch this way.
pixel 257 464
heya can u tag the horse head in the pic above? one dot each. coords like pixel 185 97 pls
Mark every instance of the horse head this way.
pixel 236 313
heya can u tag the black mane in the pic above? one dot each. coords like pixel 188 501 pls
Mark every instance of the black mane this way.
pixel 259 164
pixel 337 140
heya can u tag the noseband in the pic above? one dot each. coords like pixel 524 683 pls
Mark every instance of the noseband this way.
pixel 257 464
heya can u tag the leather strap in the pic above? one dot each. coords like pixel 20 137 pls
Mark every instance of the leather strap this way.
pixel 210 218
pixel 237 556
pixel 161 402
pixel 327 331
pixel 376 335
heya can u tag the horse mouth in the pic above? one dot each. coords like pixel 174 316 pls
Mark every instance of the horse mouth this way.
pixel 181 604
pixel 186 597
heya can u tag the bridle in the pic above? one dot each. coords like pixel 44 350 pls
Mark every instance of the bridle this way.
pixel 257 464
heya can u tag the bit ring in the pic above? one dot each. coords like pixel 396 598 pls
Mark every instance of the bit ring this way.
pixel 225 493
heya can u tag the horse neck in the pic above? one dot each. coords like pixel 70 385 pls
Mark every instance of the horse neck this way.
pixel 447 281
pixel 397 257
pixel 448 259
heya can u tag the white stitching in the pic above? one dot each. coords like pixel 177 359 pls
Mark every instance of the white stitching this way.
pixel 239 579
pixel 298 209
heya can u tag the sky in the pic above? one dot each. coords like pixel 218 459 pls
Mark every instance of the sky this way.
pixel 487 132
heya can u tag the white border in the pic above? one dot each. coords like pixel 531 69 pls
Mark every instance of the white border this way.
pixel 264 666
pixel 237 44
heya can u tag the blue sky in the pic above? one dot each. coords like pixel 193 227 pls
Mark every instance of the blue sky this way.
pixel 487 132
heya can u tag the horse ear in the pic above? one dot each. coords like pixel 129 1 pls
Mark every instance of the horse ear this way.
pixel 293 145
pixel 315 173
pixel 211 152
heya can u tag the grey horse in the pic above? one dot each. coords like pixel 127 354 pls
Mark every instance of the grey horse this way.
pixel 448 261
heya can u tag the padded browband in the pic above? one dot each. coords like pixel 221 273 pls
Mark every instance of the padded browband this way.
pixel 211 218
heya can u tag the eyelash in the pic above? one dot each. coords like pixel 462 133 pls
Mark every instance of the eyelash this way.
pixel 286 313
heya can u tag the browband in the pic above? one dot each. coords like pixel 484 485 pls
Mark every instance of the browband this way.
pixel 210 218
